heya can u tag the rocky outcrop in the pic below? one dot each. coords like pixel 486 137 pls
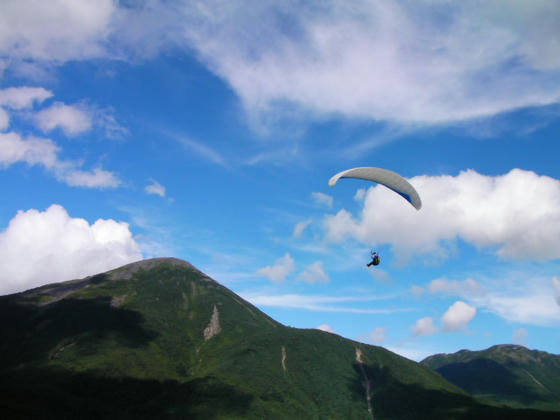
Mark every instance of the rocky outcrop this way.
pixel 213 327
pixel 365 382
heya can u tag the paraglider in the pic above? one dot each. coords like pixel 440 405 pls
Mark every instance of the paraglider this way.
pixel 389 179
pixel 374 259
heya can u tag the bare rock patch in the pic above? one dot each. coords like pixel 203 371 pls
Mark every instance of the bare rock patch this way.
pixel 213 327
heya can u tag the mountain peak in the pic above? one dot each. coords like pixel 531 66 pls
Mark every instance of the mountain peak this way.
pixel 126 271
pixel 54 292
pixel 508 347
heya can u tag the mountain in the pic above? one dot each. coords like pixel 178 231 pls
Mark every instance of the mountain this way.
pixel 509 374
pixel 160 339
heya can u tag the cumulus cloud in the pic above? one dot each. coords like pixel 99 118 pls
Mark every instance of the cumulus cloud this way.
pixel 282 268
pixel 96 178
pixel 300 227
pixel 326 328
pixel 155 188
pixel 32 150
pixel 322 199
pixel 23 97
pixel 458 316
pixel 424 326
pixel 315 273
pixel 40 247
pixel 72 120
pixel 497 212
pixel 360 194
pixel 18 98
pixel 41 151
pixel 392 60
pixel 520 336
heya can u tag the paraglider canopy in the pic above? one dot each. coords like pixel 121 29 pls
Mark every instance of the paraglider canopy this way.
pixel 390 179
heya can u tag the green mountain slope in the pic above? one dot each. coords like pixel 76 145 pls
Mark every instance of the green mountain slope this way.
pixel 510 374
pixel 159 339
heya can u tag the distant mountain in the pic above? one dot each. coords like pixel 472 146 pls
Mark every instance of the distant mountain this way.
pixel 160 339
pixel 509 374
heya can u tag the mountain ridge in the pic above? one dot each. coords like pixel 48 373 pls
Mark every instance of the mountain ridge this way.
pixel 160 339
pixel 508 373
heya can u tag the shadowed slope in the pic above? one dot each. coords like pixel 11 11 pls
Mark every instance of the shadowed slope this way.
pixel 510 374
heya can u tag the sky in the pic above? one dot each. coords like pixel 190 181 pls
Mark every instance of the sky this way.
pixel 208 131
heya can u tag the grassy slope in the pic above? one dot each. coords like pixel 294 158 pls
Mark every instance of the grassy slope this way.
pixel 512 375
pixel 129 348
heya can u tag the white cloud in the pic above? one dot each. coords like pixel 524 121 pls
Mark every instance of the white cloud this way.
pixel 517 297
pixel 458 316
pixel 315 273
pixel 326 328
pixel 514 296
pixel 32 150
pixel 41 151
pixel 406 62
pixel 377 336
pixel 300 227
pixel 425 326
pixel 318 303
pixel 322 199
pixel 70 119
pixel 360 194
pixel 105 119
pixel 57 30
pixel 556 284
pixel 410 62
pixel 155 188
pixel 278 272
pixel 202 150
pixel 520 336
pixel 468 287
pixel 23 97
pixel 97 178
pixel 50 246
pixel 534 306
pixel 495 212
pixel 4 119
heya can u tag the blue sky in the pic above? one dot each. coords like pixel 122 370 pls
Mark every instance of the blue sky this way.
pixel 208 131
